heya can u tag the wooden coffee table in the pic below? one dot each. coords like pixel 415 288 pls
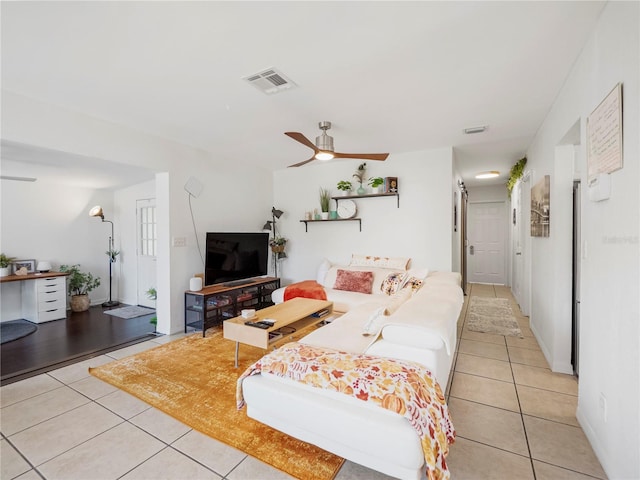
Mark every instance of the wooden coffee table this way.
pixel 294 319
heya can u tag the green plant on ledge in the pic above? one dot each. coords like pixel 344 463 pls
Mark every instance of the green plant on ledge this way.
pixel 345 186
pixel 325 199
pixel 516 172
pixel 5 261
pixel 376 182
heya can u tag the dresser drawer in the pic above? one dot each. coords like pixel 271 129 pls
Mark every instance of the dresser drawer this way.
pixel 52 304
pixel 51 295
pixel 51 315
pixel 50 284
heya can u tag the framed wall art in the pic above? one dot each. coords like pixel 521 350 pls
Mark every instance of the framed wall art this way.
pixel 29 264
pixel 540 208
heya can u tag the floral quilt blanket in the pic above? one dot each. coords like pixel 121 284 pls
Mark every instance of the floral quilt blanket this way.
pixel 407 388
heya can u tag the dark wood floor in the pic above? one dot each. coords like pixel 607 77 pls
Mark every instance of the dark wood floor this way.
pixel 62 342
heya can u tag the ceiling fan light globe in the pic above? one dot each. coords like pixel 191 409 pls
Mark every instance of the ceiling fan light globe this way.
pixel 324 156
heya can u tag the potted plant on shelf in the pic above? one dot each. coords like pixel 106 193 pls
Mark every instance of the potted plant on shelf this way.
pixel 360 176
pixel 79 285
pixel 325 199
pixel 345 186
pixel 5 265
pixel 375 183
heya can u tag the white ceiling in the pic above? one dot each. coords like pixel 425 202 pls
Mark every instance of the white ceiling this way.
pixel 391 76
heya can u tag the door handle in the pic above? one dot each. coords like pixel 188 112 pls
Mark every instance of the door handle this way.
pixel 471 250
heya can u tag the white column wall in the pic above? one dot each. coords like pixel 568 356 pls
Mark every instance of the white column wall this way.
pixel 610 319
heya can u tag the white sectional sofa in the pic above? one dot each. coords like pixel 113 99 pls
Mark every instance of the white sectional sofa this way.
pixel 420 327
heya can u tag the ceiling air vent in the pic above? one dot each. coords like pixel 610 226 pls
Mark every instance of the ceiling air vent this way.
pixel 270 81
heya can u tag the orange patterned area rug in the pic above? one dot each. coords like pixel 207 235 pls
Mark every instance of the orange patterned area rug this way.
pixel 193 380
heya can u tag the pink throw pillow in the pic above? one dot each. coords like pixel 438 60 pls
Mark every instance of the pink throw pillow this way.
pixel 354 281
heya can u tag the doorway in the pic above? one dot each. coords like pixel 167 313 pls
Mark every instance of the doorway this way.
pixel 147 244
pixel 575 284
pixel 487 238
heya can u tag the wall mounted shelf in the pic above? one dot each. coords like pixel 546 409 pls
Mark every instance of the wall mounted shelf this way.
pixel 307 222
pixel 369 195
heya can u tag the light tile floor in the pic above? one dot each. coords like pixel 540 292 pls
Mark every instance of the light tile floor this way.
pixel 514 418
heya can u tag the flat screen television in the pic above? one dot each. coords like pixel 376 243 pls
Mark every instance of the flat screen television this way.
pixel 233 256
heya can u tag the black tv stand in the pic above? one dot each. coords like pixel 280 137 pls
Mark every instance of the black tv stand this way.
pixel 216 303
pixel 235 283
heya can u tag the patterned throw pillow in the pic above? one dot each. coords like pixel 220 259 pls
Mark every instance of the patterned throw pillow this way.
pixel 414 282
pixel 391 284
pixel 354 281
pixel 397 263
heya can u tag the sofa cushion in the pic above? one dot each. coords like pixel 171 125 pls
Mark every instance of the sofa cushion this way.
pixel 392 282
pixel 397 263
pixel 353 281
pixel 397 300
pixel 323 268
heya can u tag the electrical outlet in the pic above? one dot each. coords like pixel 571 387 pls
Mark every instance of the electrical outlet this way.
pixel 603 406
pixel 179 242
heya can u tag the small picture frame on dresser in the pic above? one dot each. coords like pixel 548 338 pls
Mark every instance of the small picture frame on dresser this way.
pixel 29 264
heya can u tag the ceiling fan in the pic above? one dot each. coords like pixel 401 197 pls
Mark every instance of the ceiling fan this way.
pixel 323 148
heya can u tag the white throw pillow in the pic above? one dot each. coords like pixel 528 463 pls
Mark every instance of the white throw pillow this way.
pixel 372 327
pixel 323 268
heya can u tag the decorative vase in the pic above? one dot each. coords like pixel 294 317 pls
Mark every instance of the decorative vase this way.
pixel 333 215
pixel 5 271
pixel 79 303
pixel 324 215
pixel 361 190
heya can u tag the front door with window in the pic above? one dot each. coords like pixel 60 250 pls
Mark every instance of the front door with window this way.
pixel 147 245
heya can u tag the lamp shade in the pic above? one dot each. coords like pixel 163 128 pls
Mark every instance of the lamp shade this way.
pixel 43 266
pixel 96 212
pixel 276 213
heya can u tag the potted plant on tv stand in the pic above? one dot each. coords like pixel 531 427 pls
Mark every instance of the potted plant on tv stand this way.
pixel 79 285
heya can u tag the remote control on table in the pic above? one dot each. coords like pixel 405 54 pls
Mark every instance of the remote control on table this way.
pixel 257 324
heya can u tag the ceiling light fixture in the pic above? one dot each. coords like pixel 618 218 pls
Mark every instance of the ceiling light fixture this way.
pixel 471 130
pixel 324 156
pixel 490 174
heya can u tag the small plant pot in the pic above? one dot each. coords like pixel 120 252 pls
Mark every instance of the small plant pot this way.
pixel 324 216
pixel 375 189
pixel 277 248
pixel 345 193
pixel 79 303
pixel 5 271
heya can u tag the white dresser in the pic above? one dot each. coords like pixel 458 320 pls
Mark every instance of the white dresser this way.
pixel 44 299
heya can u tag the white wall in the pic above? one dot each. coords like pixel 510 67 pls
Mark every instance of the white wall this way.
pixel 610 335
pixel 488 193
pixel 42 221
pixel 421 228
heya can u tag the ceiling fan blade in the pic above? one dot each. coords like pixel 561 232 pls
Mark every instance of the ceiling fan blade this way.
pixel 302 139
pixel 302 163
pixel 362 156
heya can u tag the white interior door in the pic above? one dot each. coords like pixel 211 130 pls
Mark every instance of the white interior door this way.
pixel 518 225
pixel 147 247
pixel 486 251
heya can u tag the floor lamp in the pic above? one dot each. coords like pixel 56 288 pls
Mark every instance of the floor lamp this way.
pixel 97 212
pixel 271 225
